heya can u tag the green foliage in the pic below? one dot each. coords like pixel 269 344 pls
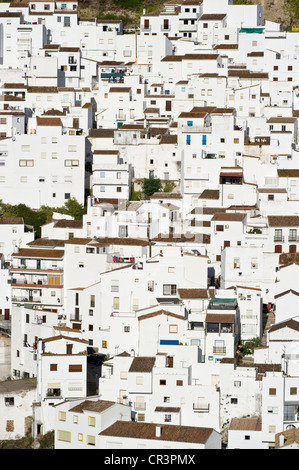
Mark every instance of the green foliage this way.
pixel 242 2
pixel 135 195
pixel 73 208
pixel 292 9
pixel 39 217
pixel 151 186
pixel 249 345
pixel 168 187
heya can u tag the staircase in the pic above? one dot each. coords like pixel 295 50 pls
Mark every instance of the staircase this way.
pixel 268 321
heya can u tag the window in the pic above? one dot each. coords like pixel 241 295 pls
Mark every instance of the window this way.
pixel 71 163
pixel 293 391
pixel 116 303
pixel 75 367
pixel 272 391
pixel 67 21
pixel 126 329
pixel 53 367
pixel 179 383
pixel 26 162
pixel 104 344
pixel 75 419
pixel 173 328
pixel 167 418
pixel 90 440
pixel 64 436
pixel 9 401
pixel 293 235
pixel 92 301
pixel 237 384
pixel 91 421
pixel 278 235
pixel 61 415
pixel 234 401
pixel 169 289
pixel 254 263
pixel 67 195
pixel 150 286
pixel 162 382
pixel 115 286
pixel 139 380
pixel 236 263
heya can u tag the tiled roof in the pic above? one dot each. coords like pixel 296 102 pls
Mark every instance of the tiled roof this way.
pixel 245 424
pixel 12 221
pixel 228 217
pixel 293 324
pixel 35 253
pixel 65 223
pixel 52 121
pixel 193 293
pixel 95 406
pixel 167 409
pixel 210 194
pixel 290 436
pixel 146 316
pixel 281 294
pixel 142 364
pixel 283 220
pixel 137 430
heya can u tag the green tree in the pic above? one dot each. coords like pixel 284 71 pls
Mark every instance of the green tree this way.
pixel 249 345
pixel 151 185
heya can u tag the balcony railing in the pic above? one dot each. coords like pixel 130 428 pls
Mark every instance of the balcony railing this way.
pixel 144 28
pixel 201 407
pixel 198 129
pixel 76 318
pixel 165 27
pixel 293 238
pixel 219 350
pixel 278 239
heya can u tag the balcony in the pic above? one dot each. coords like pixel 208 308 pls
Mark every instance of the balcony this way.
pixel 165 27
pixel 293 239
pixel 201 407
pixel 76 318
pixel 188 27
pixel 219 350
pixel 278 239
pixel 145 28
pixel 120 117
pixel 197 129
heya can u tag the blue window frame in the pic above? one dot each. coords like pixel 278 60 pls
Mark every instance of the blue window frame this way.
pixel 204 140
pixel 188 139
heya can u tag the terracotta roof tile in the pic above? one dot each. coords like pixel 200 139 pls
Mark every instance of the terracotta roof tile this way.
pixel 142 364
pixel 174 433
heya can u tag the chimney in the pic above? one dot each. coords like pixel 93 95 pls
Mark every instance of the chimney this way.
pixel 158 431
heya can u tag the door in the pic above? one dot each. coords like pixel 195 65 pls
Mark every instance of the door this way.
pixel 168 106
pixel 76 123
pixel 278 248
